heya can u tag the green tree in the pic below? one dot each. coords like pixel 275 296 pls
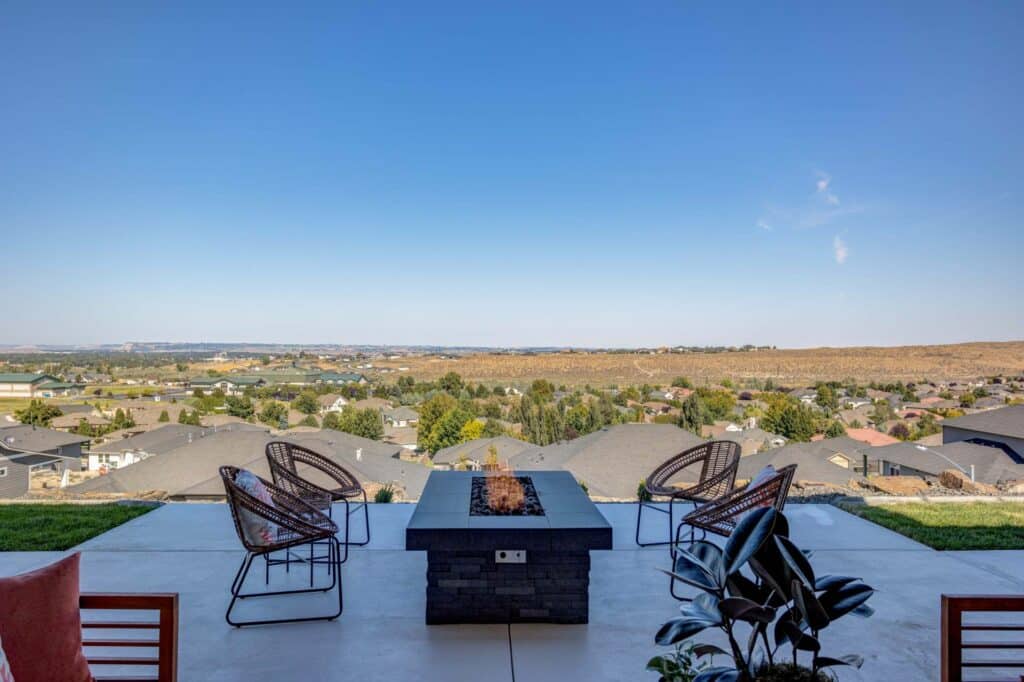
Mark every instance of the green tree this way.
pixel 306 403
pixel 273 412
pixel 719 403
pixel 693 414
pixel 181 367
pixel 968 399
pixel 164 417
pixel 189 418
pixel 447 430
pixel 241 407
pixel 826 397
pixel 122 419
pixel 309 420
pixel 492 429
pixel 365 423
pixel 835 430
pixel 430 412
pixel 682 382
pixel 900 430
pixel 790 420
pixel 38 413
pixel 451 383
pixel 83 428
pixel 331 420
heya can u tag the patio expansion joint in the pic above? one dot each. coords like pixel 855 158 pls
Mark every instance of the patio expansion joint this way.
pixel 987 569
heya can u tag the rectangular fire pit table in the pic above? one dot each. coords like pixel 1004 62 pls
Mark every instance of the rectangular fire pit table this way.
pixel 507 569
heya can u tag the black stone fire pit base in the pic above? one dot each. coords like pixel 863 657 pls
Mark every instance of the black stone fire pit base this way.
pixel 469 587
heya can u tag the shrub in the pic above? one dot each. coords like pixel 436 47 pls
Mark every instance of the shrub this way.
pixel 385 494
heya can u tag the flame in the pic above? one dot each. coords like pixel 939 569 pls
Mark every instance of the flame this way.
pixel 504 491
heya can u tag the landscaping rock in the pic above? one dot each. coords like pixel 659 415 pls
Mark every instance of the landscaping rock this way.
pixel 899 485
pixel 958 480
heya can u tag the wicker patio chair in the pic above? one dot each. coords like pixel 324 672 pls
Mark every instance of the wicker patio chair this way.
pixel 718 460
pixel 296 523
pixel 284 456
pixel 721 516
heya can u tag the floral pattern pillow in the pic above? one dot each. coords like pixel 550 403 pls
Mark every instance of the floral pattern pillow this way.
pixel 258 530
pixel 5 667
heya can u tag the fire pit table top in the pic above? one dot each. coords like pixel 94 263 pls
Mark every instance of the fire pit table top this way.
pixel 443 522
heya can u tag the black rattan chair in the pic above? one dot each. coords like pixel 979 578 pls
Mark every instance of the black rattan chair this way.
pixel 721 516
pixel 295 523
pixel 718 459
pixel 283 457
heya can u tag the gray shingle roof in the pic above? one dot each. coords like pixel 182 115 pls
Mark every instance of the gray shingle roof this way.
pixel 36 438
pixel 191 470
pixel 812 460
pixel 613 460
pixel 155 442
pixel 477 450
pixel 991 465
pixel 1006 421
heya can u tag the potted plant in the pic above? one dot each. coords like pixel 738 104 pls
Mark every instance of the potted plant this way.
pixel 762 593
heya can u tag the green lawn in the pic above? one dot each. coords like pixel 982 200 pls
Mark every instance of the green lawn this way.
pixel 952 525
pixel 38 527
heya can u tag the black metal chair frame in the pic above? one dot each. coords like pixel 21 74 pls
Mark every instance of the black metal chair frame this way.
pixel 719 462
pixel 298 523
pixel 721 515
pixel 282 456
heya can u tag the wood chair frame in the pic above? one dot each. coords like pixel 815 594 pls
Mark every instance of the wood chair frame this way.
pixel 165 662
pixel 953 628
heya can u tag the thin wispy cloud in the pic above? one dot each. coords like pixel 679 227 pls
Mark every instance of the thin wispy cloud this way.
pixel 824 185
pixel 840 250
pixel 764 225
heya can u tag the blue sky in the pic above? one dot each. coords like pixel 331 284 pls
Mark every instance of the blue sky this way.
pixel 526 173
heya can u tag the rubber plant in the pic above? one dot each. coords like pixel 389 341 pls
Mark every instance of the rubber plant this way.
pixel 761 591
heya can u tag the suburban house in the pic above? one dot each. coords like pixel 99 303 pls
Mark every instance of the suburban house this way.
pixel 126 451
pixel 830 462
pixel 473 455
pixel 70 422
pixel 404 436
pixel 341 378
pixel 401 416
pixel 231 385
pixel 189 472
pixel 983 463
pixel 28 385
pixel 753 440
pixel 26 450
pixel 612 461
pixel 332 402
pixel 1002 428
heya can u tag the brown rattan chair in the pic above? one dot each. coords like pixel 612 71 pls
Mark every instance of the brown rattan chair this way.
pixel 297 523
pixel 721 516
pixel 283 457
pixel 718 460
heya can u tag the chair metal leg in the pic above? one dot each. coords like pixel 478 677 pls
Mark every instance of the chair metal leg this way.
pixel 652 507
pixel 334 553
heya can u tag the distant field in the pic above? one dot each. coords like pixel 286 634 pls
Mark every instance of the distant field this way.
pixel 787 367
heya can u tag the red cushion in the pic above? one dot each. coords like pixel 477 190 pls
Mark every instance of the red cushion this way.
pixel 41 625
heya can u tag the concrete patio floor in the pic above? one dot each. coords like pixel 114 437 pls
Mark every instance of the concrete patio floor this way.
pixel 192 549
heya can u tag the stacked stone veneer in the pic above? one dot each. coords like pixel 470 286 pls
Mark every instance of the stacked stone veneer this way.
pixel 470 587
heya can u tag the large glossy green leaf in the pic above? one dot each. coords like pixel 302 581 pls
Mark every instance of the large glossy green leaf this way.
pixel 849 659
pixel 831 582
pixel 718 674
pixel 740 585
pixel 709 650
pixel 774 573
pixel 695 571
pixel 739 608
pixel 800 639
pixel 704 606
pixel 796 561
pixel 813 612
pixel 864 611
pixel 678 629
pixel 782 631
pixel 748 536
pixel 839 602
pixel 710 555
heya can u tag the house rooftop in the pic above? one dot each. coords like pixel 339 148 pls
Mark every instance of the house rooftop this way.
pixel 1006 421
pixel 26 438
